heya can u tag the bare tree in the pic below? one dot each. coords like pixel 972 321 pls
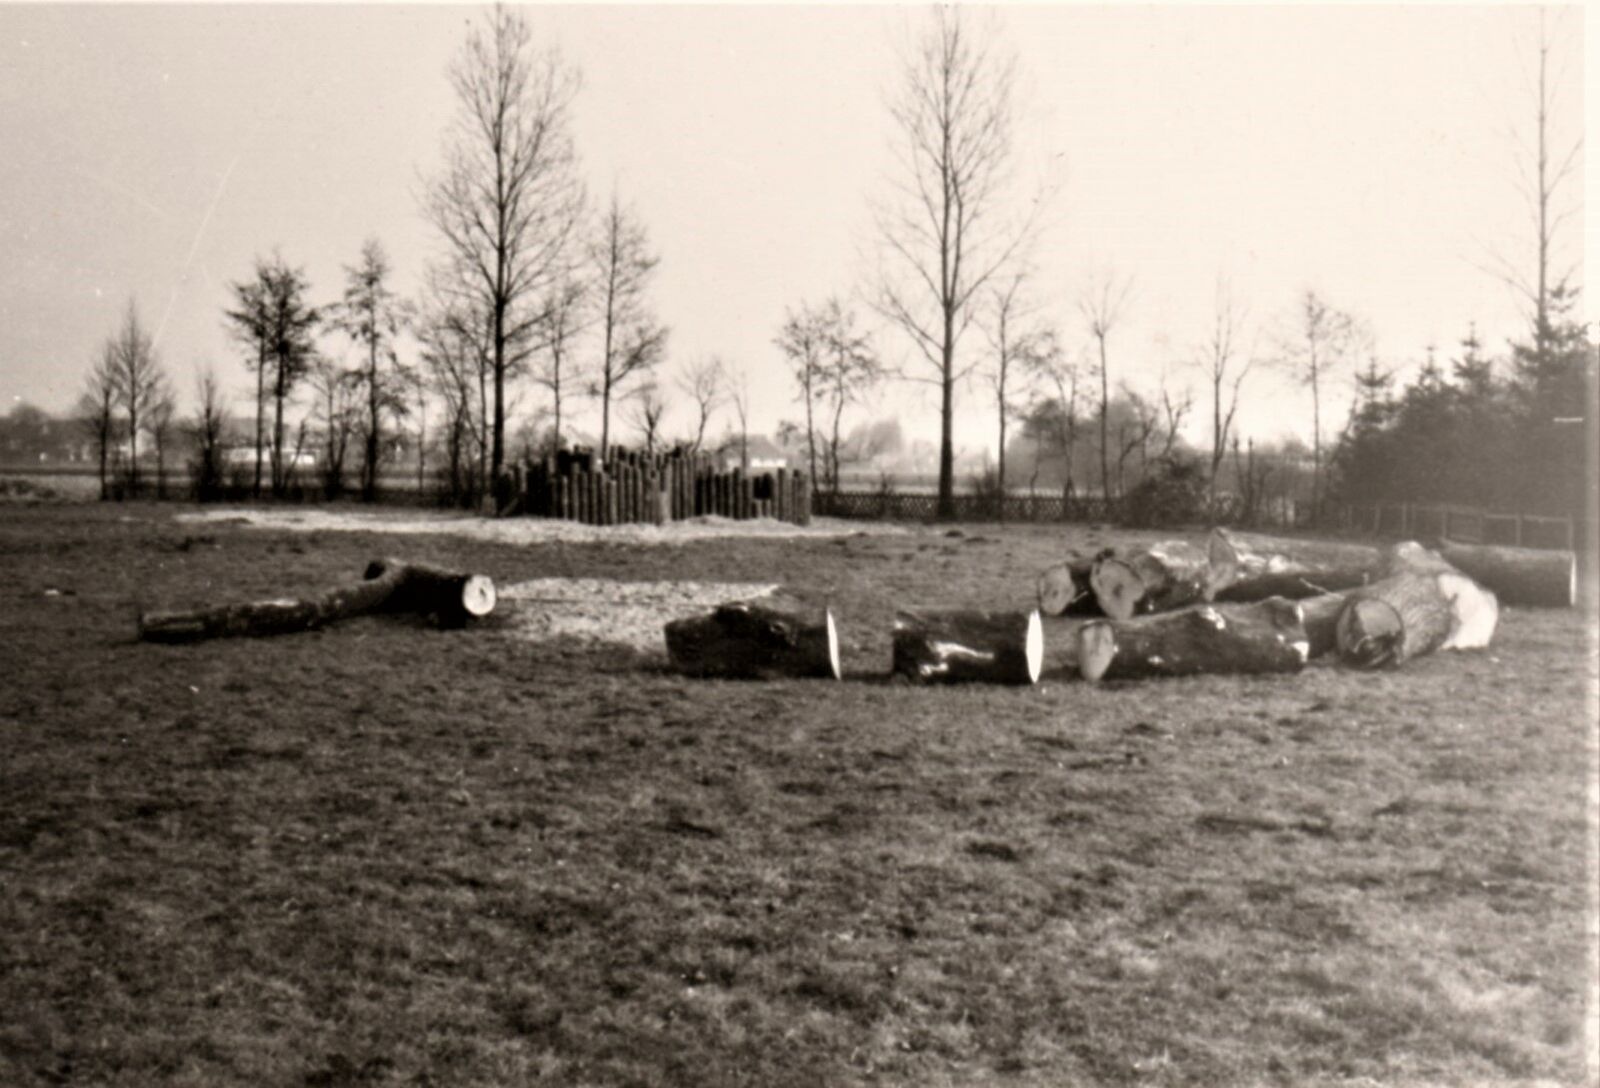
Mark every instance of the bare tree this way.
pixel 739 397
pixel 1319 346
pixel 1224 371
pixel 566 315
pixel 648 410
pixel 1134 432
pixel 250 323
pixel 1103 305
pixel 1546 162
pixel 271 315
pixel 850 370
pixel 373 316
pixel 1174 410
pixel 97 410
pixel 804 342
pixel 633 341
pixel 705 383
pixel 1014 365
pixel 336 408
pixel 159 416
pixel 508 201
pixel 457 361
pixel 945 232
pixel 138 381
pixel 1053 418
pixel 208 435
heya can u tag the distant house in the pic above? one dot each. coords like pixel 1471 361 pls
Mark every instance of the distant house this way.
pixel 764 454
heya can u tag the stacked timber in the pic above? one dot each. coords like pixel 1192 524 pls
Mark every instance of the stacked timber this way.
pixel 1265 637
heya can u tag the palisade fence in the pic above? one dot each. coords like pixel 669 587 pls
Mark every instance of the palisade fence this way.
pixel 1467 524
pixel 654 489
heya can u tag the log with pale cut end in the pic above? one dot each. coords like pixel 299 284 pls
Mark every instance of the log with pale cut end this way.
pixel 750 640
pixel 1394 620
pixel 452 598
pixel 1320 616
pixel 1409 557
pixel 389 586
pixel 1064 588
pixel 1475 612
pixel 1265 637
pixel 1164 576
pixel 988 647
pixel 1526 577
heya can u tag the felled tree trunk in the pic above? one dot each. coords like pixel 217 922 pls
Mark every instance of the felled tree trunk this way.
pixel 989 647
pixel 746 640
pixel 1296 586
pixel 1064 589
pixel 1164 576
pixel 451 598
pixel 1297 571
pixel 1525 577
pixel 389 586
pixel 1265 637
pixel 1320 615
pixel 1413 613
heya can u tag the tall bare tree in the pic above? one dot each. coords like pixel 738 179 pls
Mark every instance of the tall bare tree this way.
pixel 1225 371
pixel 803 340
pixel 373 316
pixel 337 409
pixel 946 232
pixel 457 362
pixel 851 368
pixel 207 432
pixel 1547 160
pixel 272 316
pixel 705 383
pixel 139 381
pixel 250 322
pixel 159 417
pixel 566 314
pixel 1103 305
pixel 739 397
pixel 1321 344
pixel 97 410
pixel 649 408
pixel 632 340
pixel 1017 347
pixel 508 201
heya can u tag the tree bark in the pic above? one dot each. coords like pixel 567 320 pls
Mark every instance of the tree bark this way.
pixel 388 586
pixel 747 640
pixel 1164 576
pixel 1320 615
pixel 1265 637
pixel 1413 613
pixel 1525 577
pixel 952 647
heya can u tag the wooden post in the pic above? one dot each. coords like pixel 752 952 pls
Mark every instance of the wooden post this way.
pixel 747 498
pixel 803 499
pixel 780 494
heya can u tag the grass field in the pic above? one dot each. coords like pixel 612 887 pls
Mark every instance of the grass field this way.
pixel 382 853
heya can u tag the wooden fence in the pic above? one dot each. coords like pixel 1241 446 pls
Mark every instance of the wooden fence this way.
pixel 655 489
pixel 1468 524
pixel 895 506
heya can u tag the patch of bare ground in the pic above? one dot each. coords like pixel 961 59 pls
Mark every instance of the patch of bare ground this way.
pixel 382 853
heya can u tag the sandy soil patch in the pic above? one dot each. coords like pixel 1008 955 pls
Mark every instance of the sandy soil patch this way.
pixel 529 530
pixel 602 610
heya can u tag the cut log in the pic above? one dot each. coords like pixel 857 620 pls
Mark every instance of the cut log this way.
pixel 1258 555
pixel 453 599
pixel 1265 637
pixel 1474 611
pixel 952 647
pixel 1408 556
pixel 1394 620
pixel 750 640
pixel 1296 585
pixel 1064 589
pixel 1525 577
pixel 1320 616
pixel 1164 576
pixel 389 586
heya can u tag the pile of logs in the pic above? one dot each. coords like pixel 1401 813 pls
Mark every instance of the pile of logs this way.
pixel 1173 608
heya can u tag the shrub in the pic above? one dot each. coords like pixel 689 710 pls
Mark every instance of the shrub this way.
pixel 1173 492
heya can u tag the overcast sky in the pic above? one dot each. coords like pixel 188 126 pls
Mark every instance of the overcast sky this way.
pixel 153 152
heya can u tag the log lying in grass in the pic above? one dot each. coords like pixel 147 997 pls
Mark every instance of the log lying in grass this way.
pixel 1296 585
pixel 1320 615
pixel 451 598
pixel 388 586
pixel 1064 589
pixel 749 640
pixel 1265 637
pixel 1518 576
pixel 988 647
pixel 1413 613
pixel 1163 576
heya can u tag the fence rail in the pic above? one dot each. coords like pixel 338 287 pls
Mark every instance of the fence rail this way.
pixel 1468 524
